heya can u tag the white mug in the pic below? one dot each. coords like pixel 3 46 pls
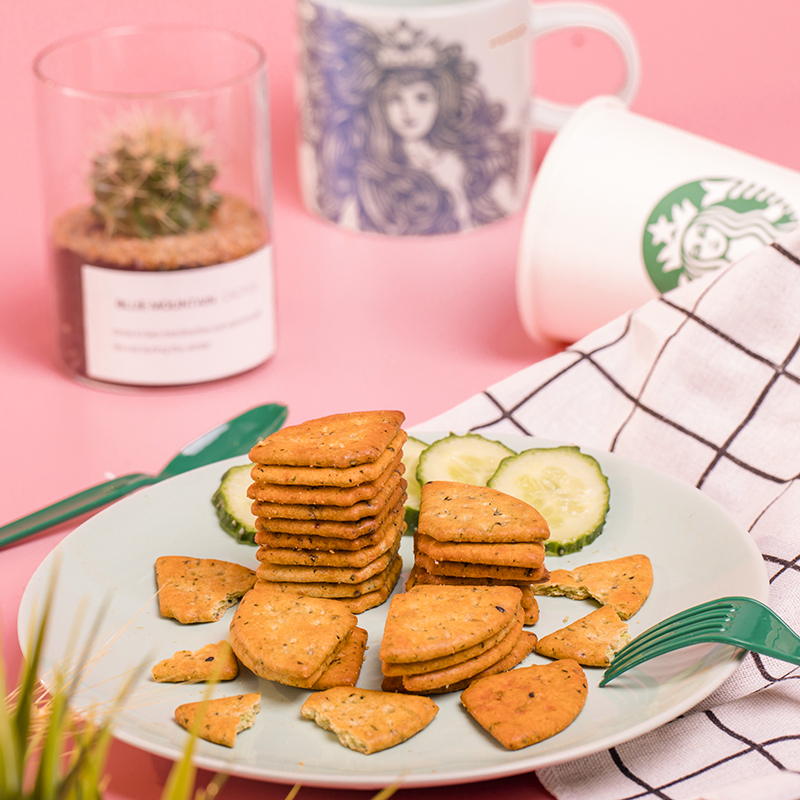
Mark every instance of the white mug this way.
pixel 416 116
pixel 625 208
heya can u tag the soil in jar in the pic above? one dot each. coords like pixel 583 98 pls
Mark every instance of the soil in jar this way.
pixel 237 230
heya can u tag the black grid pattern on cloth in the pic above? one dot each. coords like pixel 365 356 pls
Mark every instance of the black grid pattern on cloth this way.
pixel 702 383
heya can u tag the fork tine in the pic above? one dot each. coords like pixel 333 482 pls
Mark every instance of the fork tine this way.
pixel 703 623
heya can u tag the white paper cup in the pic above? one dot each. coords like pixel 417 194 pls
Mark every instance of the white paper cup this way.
pixel 624 208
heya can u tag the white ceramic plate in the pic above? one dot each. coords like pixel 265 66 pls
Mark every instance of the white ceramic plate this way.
pixel 698 553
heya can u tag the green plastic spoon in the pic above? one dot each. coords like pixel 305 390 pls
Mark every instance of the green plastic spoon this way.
pixel 231 438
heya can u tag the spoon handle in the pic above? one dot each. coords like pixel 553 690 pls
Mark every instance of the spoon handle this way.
pixel 73 506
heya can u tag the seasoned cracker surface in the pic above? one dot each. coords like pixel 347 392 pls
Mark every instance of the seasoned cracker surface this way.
pixel 592 640
pixel 503 554
pixel 335 589
pixel 335 441
pixel 221 718
pixel 215 660
pixel 529 704
pixel 331 476
pixel 368 720
pixel 194 590
pixel 353 559
pixel 368 600
pixel 463 569
pixel 622 583
pixel 357 511
pixel 346 529
pixel 346 666
pixel 277 633
pixel 433 621
pixel 416 667
pixel 425 682
pixel 458 512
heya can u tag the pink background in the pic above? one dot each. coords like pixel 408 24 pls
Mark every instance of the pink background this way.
pixel 418 325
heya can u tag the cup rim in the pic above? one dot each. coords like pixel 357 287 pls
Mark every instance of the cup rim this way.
pixel 528 292
pixel 51 82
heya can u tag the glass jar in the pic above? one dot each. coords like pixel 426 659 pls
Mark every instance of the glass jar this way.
pixel 156 164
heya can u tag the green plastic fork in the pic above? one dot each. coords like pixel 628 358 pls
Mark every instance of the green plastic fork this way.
pixel 740 621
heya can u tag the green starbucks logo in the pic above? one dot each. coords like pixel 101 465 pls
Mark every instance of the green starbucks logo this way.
pixel 707 224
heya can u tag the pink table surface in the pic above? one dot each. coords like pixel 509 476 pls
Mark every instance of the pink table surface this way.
pixel 364 322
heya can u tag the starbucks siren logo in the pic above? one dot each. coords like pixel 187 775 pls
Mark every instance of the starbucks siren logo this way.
pixel 707 224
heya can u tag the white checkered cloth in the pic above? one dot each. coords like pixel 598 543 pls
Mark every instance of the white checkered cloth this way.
pixel 703 383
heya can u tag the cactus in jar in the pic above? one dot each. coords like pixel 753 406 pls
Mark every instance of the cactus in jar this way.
pixel 152 180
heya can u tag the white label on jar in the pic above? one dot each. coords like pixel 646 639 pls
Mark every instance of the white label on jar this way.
pixel 184 326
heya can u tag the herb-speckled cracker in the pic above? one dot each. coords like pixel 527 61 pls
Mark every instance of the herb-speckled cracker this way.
pixel 199 589
pixel 376 597
pixel 418 575
pixel 591 640
pixel 427 681
pixel 346 666
pixel 369 721
pixel 347 529
pixel 286 637
pixel 522 649
pixel 335 441
pixel 434 664
pixel 308 574
pixel 622 583
pixel 526 705
pixel 354 559
pixel 222 717
pixel 331 476
pixel 215 661
pixel 324 495
pixel 504 554
pixel 462 569
pixel 458 512
pixel 365 508
pixel 433 621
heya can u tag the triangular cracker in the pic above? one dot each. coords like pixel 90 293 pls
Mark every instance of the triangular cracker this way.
pixel 199 589
pixel 526 705
pixel 346 666
pixel 622 583
pixel 458 512
pixel 213 661
pixel 592 640
pixel 286 637
pixel 337 440
pixel 367 720
pixel 223 717
pixel 429 622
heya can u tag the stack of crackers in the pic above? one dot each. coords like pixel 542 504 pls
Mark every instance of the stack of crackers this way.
pixel 440 638
pixel 475 535
pixel 307 642
pixel 329 500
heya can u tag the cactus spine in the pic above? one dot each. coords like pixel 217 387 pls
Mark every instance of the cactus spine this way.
pixel 152 180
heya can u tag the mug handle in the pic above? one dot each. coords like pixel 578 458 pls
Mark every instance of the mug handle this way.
pixel 549 17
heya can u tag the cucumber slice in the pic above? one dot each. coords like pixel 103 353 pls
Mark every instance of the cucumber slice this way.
pixel 412 450
pixel 233 505
pixel 567 487
pixel 468 458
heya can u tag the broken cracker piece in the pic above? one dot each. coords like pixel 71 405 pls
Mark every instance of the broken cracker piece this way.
pixel 367 720
pixel 592 640
pixel 194 590
pixel 213 661
pixel 222 717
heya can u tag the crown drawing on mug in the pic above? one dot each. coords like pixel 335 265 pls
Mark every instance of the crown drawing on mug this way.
pixel 404 47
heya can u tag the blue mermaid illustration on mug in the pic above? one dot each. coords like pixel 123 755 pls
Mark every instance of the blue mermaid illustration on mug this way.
pixel 399 136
